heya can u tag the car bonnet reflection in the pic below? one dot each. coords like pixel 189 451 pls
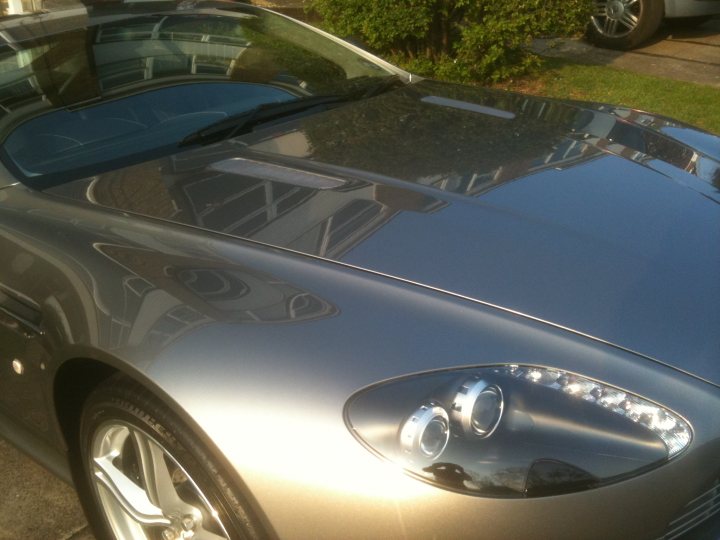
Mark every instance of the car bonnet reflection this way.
pixel 545 213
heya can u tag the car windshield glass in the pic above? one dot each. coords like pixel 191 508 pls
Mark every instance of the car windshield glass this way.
pixel 76 102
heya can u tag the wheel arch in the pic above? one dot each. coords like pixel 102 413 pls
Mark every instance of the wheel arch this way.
pixel 74 381
pixel 82 369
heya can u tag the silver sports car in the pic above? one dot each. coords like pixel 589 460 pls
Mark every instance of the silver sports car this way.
pixel 257 283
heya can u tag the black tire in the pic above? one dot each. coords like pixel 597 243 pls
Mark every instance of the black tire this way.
pixel 612 31
pixel 121 408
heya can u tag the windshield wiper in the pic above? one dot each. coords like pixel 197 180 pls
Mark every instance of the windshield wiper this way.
pixel 243 122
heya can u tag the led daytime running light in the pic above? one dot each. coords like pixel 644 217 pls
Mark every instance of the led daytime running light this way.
pixel 673 430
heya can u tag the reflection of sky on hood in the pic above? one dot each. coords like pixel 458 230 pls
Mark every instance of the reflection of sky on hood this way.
pixel 586 201
pixel 704 142
pixel 609 248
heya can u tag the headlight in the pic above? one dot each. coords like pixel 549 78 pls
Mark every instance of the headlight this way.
pixel 515 431
pixel 426 432
pixel 477 407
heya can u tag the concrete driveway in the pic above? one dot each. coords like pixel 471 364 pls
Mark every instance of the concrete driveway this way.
pixel 34 505
pixel 691 55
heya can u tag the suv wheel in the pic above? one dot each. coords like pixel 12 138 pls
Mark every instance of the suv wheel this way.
pixel 624 24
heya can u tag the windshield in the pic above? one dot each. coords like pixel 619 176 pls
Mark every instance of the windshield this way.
pixel 77 102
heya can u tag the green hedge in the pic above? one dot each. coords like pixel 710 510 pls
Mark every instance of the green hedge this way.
pixel 463 40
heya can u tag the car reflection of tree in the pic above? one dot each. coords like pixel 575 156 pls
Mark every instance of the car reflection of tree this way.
pixel 484 152
pixel 481 151
pixel 545 477
pixel 166 296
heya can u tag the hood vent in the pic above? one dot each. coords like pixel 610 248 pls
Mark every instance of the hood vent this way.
pixel 276 173
pixel 465 106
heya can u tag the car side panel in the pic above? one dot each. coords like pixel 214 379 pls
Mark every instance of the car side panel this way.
pixel 691 8
pixel 23 356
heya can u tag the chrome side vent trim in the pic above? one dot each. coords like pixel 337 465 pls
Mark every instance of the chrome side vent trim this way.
pixel 697 511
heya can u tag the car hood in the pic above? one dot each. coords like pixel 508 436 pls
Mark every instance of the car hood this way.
pixel 602 220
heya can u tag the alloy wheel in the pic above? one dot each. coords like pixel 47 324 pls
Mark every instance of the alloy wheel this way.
pixel 616 18
pixel 144 493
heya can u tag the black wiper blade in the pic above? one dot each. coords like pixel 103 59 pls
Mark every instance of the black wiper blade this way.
pixel 267 112
pixel 244 121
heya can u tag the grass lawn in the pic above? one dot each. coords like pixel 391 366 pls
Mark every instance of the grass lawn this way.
pixel 692 103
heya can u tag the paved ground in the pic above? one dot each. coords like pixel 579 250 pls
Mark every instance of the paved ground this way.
pixel 36 506
pixel 684 54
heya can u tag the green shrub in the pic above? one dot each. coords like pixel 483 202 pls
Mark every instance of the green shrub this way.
pixel 483 40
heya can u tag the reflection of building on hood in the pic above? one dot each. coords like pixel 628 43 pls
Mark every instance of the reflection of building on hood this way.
pixel 166 296
pixel 79 64
pixel 254 208
pixel 88 62
pixel 74 62
pixel 19 7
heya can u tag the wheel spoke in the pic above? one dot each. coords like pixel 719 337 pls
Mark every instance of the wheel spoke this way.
pixel 140 485
pixel 156 475
pixel 601 9
pixel 610 26
pixel 127 494
pixel 629 20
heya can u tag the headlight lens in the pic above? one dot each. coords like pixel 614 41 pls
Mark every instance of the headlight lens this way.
pixel 477 407
pixel 426 432
pixel 515 431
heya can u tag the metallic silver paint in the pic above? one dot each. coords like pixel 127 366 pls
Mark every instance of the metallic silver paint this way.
pixel 691 8
pixel 321 362
pixel 263 374
pixel 574 215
